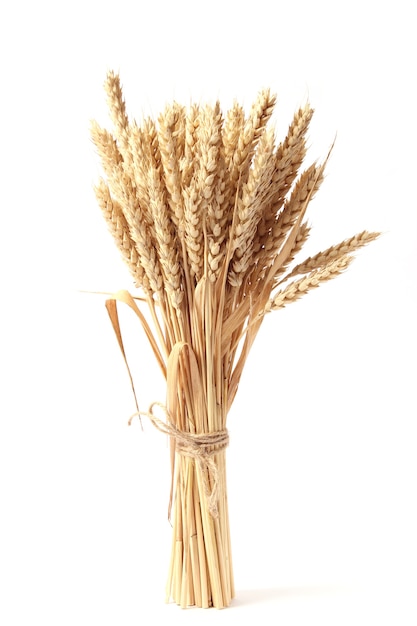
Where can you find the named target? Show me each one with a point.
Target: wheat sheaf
(208, 211)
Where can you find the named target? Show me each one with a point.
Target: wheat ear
(106, 147)
(334, 252)
(288, 159)
(117, 108)
(118, 227)
(171, 135)
(167, 250)
(249, 207)
(298, 288)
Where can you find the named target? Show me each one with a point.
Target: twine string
(201, 447)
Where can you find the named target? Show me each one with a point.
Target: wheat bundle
(208, 212)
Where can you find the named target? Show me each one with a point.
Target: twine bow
(202, 447)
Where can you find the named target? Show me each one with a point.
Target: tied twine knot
(200, 446)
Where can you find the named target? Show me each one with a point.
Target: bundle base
(200, 572)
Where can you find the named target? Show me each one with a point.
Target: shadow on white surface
(247, 597)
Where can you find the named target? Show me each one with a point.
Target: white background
(322, 462)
